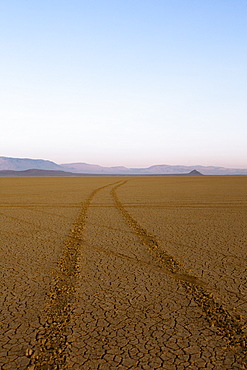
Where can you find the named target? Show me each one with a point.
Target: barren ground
(123, 273)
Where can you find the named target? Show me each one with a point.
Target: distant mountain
(162, 169)
(205, 170)
(23, 164)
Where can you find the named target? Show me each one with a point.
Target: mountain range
(26, 164)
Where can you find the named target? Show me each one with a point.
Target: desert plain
(123, 273)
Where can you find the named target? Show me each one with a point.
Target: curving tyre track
(118, 301)
(141, 310)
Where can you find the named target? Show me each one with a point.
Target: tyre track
(228, 325)
(51, 346)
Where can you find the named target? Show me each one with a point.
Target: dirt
(123, 273)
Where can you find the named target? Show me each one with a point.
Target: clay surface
(123, 273)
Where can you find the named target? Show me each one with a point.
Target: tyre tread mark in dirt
(227, 325)
(51, 346)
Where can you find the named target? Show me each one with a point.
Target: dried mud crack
(227, 325)
(143, 276)
(51, 347)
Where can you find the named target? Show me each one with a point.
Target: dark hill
(195, 173)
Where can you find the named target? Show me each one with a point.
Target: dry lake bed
(123, 273)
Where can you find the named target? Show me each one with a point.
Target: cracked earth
(123, 273)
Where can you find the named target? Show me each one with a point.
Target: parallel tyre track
(228, 325)
(52, 346)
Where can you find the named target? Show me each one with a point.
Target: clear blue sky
(124, 82)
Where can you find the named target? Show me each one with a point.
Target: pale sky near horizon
(124, 82)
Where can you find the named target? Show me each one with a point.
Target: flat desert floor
(123, 273)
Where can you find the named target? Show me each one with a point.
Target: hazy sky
(124, 82)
